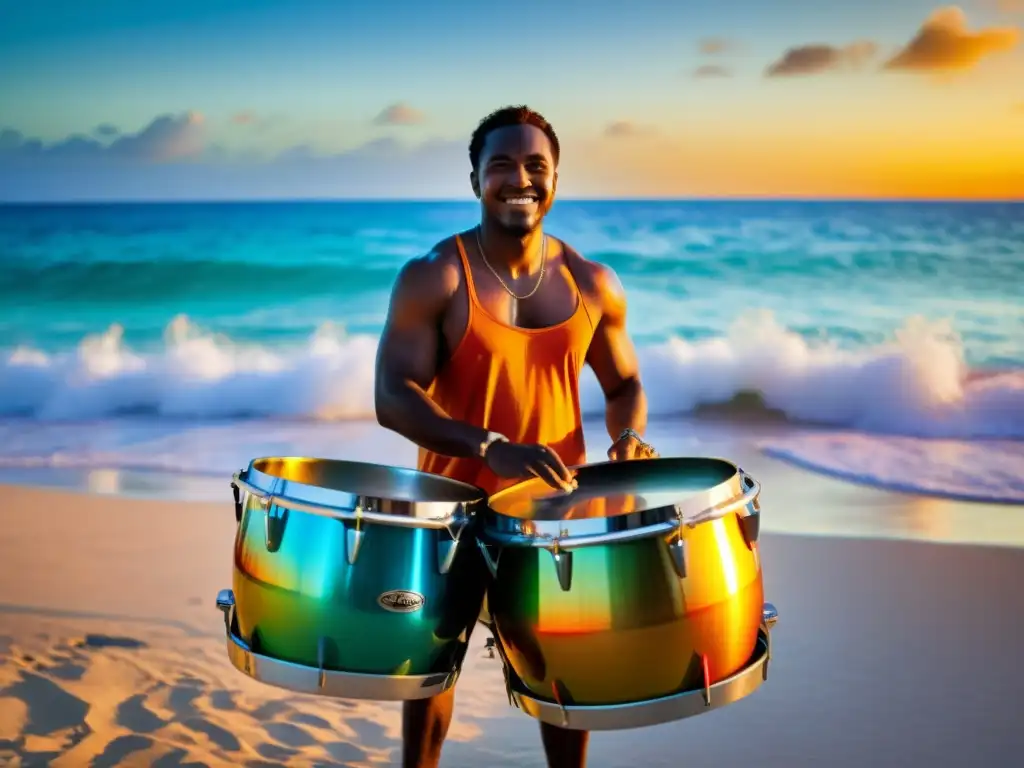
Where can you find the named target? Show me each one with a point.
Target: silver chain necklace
(540, 277)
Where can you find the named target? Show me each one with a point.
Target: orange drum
(643, 584)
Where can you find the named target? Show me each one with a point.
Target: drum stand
(640, 714)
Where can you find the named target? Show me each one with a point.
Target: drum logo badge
(400, 601)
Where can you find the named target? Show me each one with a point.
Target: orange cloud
(815, 59)
(713, 46)
(944, 44)
(712, 70)
(243, 118)
(399, 114)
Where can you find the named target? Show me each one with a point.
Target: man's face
(516, 179)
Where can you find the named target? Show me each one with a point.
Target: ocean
(884, 342)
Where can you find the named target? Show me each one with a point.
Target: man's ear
(474, 182)
(554, 183)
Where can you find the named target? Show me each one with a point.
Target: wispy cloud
(620, 129)
(943, 43)
(818, 58)
(106, 130)
(715, 46)
(399, 114)
(712, 70)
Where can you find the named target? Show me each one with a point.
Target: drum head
(365, 479)
(614, 489)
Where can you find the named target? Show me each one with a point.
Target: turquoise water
(273, 273)
(193, 337)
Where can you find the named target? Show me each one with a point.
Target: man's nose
(521, 177)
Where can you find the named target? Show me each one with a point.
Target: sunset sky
(314, 98)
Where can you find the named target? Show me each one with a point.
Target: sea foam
(917, 384)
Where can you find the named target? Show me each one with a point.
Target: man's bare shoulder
(597, 279)
(434, 276)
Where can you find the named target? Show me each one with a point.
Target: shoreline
(795, 500)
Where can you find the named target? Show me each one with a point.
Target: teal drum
(633, 600)
(352, 580)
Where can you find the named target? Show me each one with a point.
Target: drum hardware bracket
(354, 534)
(678, 552)
(769, 617)
(560, 692)
(707, 679)
(750, 516)
(236, 492)
(446, 548)
(275, 518)
(321, 654)
(563, 566)
(226, 605)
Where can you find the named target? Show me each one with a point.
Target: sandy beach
(888, 652)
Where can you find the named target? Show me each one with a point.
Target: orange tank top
(521, 382)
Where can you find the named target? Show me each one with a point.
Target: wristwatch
(489, 440)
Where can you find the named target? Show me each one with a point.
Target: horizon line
(462, 200)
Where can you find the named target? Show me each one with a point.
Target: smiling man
(480, 358)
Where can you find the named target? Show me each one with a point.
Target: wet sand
(887, 652)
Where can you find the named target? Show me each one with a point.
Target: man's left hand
(631, 446)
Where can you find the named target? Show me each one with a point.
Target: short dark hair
(506, 117)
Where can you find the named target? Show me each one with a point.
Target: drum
(352, 580)
(635, 599)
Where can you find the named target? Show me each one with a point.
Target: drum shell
(630, 628)
(297, 596)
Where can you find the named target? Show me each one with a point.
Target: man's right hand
(518, 460)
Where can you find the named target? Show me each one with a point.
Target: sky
(236, 99)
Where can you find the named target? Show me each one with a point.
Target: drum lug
(707, 679)
(769, 617)
(446, 549)
(226, 605)
(275, 521)
(751, 526)
(353, 541)
(563, 567)
(321, 657)
(238, 502)
(561, 695)
(680, 556)
(750, 517)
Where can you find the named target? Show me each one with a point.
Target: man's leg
(564, 748)
(424, 727)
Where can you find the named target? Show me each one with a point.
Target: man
(480, 358)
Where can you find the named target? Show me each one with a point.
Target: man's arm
(407, 363)
(613, 359)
